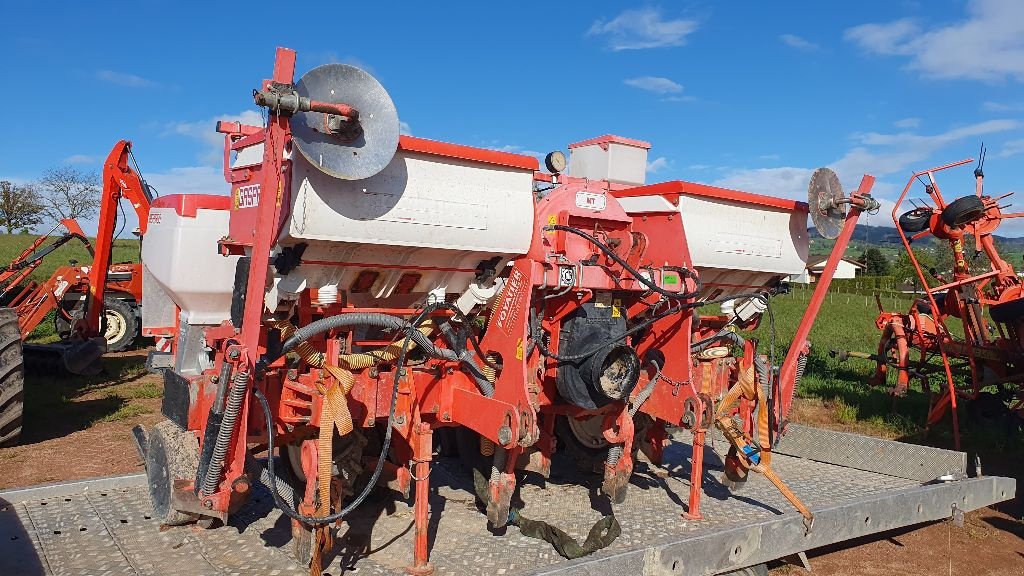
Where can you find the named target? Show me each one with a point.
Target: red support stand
(422, 455)
(696, 475)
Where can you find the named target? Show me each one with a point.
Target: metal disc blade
(823, 196)
(373, 149)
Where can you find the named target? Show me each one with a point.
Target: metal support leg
(422, 450)
(696, 475)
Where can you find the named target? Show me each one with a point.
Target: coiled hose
(239, 386)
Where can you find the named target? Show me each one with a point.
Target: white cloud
(514, 149)
(794, 41)
(205, 131)
(786, 182)
(81, 159)
(990, 106)
(986, 45)
(907, 123)
(655, 84)
(124, 79)
(189, 180)
(658, 164)
(873, 153)
(1011, 148)
(643, 28)
(904, 150)
(404, 128)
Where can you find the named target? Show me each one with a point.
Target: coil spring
(239, 387)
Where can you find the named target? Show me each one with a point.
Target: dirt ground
(84, 431)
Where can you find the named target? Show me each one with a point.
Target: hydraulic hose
(699, 286)
(387, 322)
(538, 340)
(239, 386)
(290, 510)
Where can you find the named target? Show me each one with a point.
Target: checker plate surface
(111, 532)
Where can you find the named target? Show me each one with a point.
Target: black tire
(119, 324)
(915, 220)
(963, 211)
(171, 454)
(12, 378)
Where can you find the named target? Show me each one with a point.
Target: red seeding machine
(362, 291)
(985, 366)
(369, 313)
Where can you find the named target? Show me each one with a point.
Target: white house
(847, 268)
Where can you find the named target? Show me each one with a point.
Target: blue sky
(746, 94)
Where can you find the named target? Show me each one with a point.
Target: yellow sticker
(616, 308)
(519, 349)
(552, 220)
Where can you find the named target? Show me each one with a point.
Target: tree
(20, 207)
(875, 263)
(68, 192)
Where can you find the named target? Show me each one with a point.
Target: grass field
(11, 245)
(847, 321)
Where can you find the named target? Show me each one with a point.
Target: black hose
(633, 271)
(385, 446)
(538, 338)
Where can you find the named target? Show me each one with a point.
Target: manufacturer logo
(591, 201)
(508, 312)
(247, 196)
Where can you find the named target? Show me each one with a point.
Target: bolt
(446, 416)
(233, 354)
(214, 379)
(208, 504)
(373, 372)
(240, 485)
(504, 435)
(400, 419)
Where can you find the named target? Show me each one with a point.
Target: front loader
(89, 321)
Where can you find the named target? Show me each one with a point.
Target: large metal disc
(373, 149)
(823, 199)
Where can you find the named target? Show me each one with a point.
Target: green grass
(847, 321)
(125, 412)
(11, 245)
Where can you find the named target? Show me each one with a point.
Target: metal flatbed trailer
(854, 485)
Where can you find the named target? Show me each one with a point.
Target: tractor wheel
(963, 211)
(118, 324)
(172, 454)
(12, 377)
(915, 220)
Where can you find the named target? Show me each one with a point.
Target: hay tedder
(985, 365)
(95, 306)
(370, 313)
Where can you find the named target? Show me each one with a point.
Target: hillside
(888, 241)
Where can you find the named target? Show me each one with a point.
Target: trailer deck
(854, 485)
